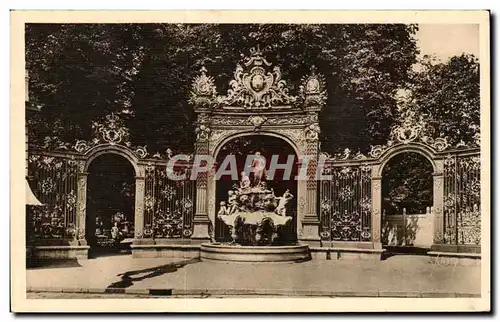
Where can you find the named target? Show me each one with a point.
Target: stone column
(211, 206)
(139, 207)
(81, 213)
(308, 196)
(376, 208)
(438, 202)
(201, 222)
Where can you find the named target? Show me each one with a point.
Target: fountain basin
(237, 253)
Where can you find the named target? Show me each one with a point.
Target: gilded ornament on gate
(202, 90)
(257, 82)
(312, 91)
(256, 86)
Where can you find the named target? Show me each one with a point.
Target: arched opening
(109, 226)
(407, 199)
(268, 146)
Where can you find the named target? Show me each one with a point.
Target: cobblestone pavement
(401, 275)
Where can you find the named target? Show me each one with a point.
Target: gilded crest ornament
(111, 130)
(256, 86)
(411, 128)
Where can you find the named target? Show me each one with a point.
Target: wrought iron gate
(345, 204)
(53, 180)
(462, 200)
(168, 204)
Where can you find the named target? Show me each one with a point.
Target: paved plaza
(401, 275)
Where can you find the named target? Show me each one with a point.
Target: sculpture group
(253, 212)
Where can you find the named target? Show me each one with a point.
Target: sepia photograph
(317, 157)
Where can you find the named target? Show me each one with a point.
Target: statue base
(237, 253)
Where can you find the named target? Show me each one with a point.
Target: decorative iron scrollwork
(111, 130)
(462, 200)
(346, 204)
(47, 223)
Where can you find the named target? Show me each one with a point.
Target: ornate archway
(110, 202)
(258, 102)
(110, 137)
(238, 148)
(407, 200)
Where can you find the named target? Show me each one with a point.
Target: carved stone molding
(202, 133)
(270, 120)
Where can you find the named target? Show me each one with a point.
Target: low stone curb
(252, 292)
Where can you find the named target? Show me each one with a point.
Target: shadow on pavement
(128, 279)
(38, 263)
(402, 250)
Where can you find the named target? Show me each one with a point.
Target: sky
(447, 40)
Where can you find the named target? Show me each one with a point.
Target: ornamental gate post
(376, 207)
(308, 188)
(139, 206)
(81, 206)
(438, 197)
(201, 221)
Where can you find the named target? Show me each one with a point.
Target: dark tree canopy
(407, 183)
(447, 95)
(79, 73)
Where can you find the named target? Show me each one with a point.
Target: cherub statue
(282, 202)
(223, 211)
(232, 201)
(245, 181)
(270, 200)
(263, 186)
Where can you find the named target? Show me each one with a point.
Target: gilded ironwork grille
(346, 203)
(168, 204)
(462, 200)
(53, 180)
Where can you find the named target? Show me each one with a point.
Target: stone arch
(123, 151)
(413, 147)
(282, 140)
(130, 156)
(419, 148)
(233, 136)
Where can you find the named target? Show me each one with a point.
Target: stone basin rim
(215, 245)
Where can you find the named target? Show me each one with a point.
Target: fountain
(256, 218)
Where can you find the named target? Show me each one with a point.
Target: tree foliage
(81, 72)
(407, 183)
(447, 95)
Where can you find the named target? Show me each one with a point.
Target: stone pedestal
(201, 225)
(310, 231)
